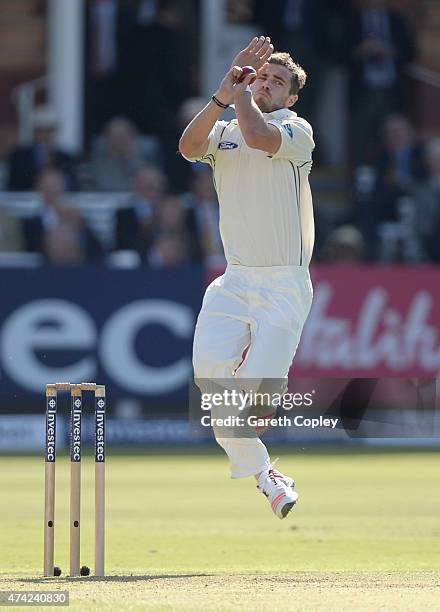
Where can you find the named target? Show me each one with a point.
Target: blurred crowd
(160, 225)
(137, 106)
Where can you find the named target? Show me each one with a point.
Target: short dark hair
(298, 74)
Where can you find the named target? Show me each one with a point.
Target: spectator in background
(239, 11)
(134, 225)
(163, 58)
(380, 45)
(173, 219)
(169, 250)
(109, 63)
(289, 24)
(427, 203)
(118, 155)
(180, 170)
(345, 245)
(296, 26)
(163, 62)
(400, 159)
(58, 232)
(202, 200)
(25, 163)
(400, 163)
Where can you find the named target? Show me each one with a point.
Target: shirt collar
(281, 114)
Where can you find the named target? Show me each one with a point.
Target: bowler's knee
(209, 365)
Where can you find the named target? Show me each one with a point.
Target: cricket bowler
(252, 316)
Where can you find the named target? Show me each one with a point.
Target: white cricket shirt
(266, 210)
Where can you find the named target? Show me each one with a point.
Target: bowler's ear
(291, 100)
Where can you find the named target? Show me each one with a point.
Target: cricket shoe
(279, 490)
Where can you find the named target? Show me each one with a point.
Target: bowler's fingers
(264, 56)
(229, 78)
(247, 79)
(264, 48)
(236, 72)
(259, 44)
(252, 44)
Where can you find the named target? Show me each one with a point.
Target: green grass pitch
(181, 535)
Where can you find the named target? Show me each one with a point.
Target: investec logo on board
(100, 432)
(51, 416)
(75, 454)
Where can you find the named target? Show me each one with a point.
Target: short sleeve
(214, 140)
(296, 140)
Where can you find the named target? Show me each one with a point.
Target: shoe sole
(287, 508)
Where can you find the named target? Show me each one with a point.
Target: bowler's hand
(225, 93)
(255, 54)
(240, 87)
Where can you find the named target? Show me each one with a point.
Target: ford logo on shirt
(226, 145)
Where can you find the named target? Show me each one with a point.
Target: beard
(266, 104)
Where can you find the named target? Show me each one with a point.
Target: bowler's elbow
(190, 149)
(183, 146)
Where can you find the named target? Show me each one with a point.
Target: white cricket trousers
(260, 310)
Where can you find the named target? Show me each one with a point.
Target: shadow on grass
(116, 578)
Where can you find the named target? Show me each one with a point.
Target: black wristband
(217, 101)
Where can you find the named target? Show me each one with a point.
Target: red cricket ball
(247, 70)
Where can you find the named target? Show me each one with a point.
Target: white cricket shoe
(279, 491)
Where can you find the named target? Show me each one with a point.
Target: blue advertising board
(131, 330)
